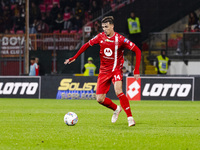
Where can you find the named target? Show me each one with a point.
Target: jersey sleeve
(94, 40)
(128, 44)
(131, 46)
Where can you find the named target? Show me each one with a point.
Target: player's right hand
(68, 62)
(136, 76)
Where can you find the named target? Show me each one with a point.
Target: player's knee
(100, 98)
(118, 91)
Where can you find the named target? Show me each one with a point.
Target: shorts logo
(108, 52)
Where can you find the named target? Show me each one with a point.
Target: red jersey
(111, 50)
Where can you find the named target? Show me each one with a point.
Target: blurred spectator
(18, 22)
(106, 6)
(54, 11)
(1, 24)
(33, 71)
(67, 9)
(7, 31)
(42, 27)
(59, 22)
(40, 66)
(189, 39)
(22, 11)
(96, 28)
(1, 8)
(32, 28)
(199, 20)
(71, 3)
(162, 63)
(68, 23)
(7, 18)
(134, 29)
(126, 73)
(16, 9)
(193, 19)
(94, 9)
(77, 23)
(47, 18)
(79, 11)
(89, 68)
(118, 2)
(63, 4)
(34, 13)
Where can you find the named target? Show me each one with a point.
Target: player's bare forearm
(136, 76)
(82, 49)
(68, 61)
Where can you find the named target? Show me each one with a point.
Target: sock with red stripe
(109, 104)
(125, 104)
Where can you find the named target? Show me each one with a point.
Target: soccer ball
(70, 119)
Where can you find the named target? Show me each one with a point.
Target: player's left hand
(136, 76)
(67, 61)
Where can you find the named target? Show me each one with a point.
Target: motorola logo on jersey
(108, 52)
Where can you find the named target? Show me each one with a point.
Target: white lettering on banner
(156, 89)
(179, 90)
(136, 88)
(21, 87)
(174, 89)
(184, 90)
(13, 41)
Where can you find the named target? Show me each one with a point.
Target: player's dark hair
(109, 19)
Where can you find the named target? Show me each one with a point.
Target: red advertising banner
(133, 89)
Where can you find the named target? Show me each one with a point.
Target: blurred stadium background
(58, 28)
(30, 119)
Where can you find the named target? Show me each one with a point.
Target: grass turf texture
(38, 124)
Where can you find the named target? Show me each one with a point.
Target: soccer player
(112, 47)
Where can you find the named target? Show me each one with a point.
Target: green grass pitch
(37, 124)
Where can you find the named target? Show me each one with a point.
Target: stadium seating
(48, 2)
(20, 32)
(73, 31)
(12, 32)
(42, 8)
(64, 31)
(56, 31)
(80, 31)
(49, 7)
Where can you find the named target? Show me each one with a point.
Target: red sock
(125, 104)
(109, 104)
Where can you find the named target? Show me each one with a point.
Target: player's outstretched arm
(82, 49)
(68, 61)
(136, 71)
